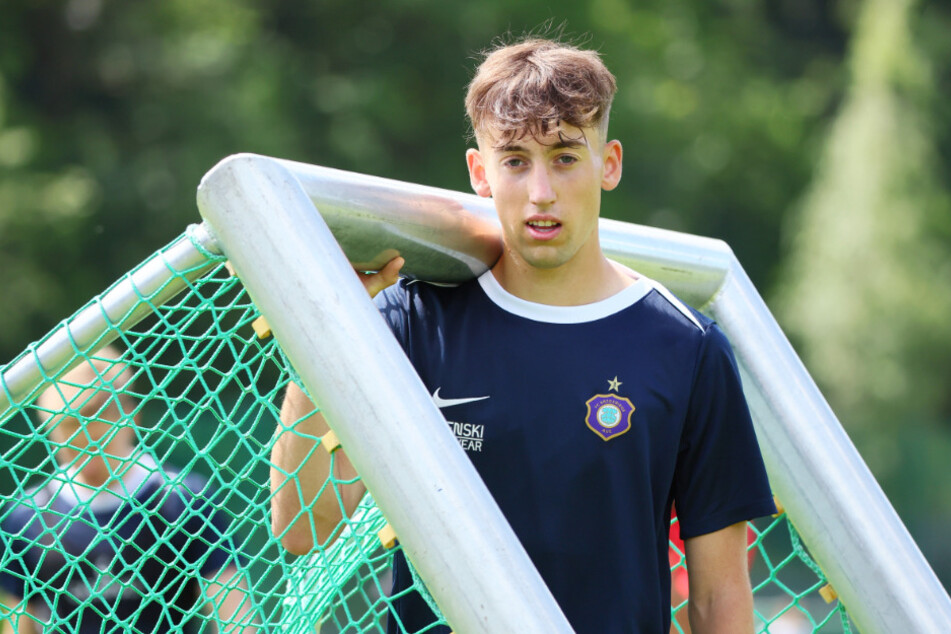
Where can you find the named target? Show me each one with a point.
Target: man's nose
(541, 192)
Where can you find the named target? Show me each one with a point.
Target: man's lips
(543, 229)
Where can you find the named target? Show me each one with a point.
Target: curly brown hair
(527, 88)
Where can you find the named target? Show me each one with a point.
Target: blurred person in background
(113, 541)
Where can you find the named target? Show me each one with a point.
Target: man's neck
(567, 285)
(120, 466)
(130, 474)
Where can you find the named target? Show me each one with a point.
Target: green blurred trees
(110, 113)
(866, 289)
(868, 284)
(745, 120)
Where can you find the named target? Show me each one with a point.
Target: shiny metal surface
(448, 236)
(831, 496)
(160, 278)
(444, 236)
(833, 500)
(298, 276)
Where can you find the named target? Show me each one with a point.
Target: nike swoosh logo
(449, 402)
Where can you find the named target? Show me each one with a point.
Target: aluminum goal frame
(295, 263)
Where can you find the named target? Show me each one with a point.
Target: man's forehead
(560, 136)
(72, 389)
(85, 385)
(74, 396)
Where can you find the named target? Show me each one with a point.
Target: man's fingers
(376, 282)
(391, 271)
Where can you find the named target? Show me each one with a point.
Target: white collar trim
(564, 314)
(143, 467)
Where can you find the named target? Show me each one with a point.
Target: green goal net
(176, 537)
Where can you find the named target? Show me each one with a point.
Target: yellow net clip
(230, 268)
(261, 328)
(330, 442)
(828, 593)
(780, 509)
(387, 536)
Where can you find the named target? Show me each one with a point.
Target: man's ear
(611, 174)
(477, 176)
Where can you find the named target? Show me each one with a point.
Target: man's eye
(514, 162)
(566, 159)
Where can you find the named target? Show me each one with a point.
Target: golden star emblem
(614, 384)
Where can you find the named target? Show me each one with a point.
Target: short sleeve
(393, 303)
(720, 478)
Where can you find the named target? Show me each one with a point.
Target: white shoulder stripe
(414, 280)
(670, 297)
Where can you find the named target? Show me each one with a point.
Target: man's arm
(12, 622)
(721, 600)
(299, 471)
(229, 600)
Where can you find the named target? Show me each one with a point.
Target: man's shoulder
(15, 514)
(414, 294)
(170, 488)
(424, 287)
(20, 514)
(187, 486)
(672, 310)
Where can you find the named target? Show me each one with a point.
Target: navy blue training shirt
(127, 566)
(587, 423)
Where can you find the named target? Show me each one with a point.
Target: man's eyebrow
(569, 143)
(559, 145)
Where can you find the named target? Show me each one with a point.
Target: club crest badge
(609, 415)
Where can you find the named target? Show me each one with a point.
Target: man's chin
(543, 256)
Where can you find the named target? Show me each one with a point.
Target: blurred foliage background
(814, 136)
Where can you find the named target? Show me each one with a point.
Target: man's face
(96, 447)
(547, 192)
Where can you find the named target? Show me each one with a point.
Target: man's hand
(387, 276)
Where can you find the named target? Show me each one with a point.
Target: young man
(112, 541)
(599, 399)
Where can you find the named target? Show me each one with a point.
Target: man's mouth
(543, 229)
(543, 225)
